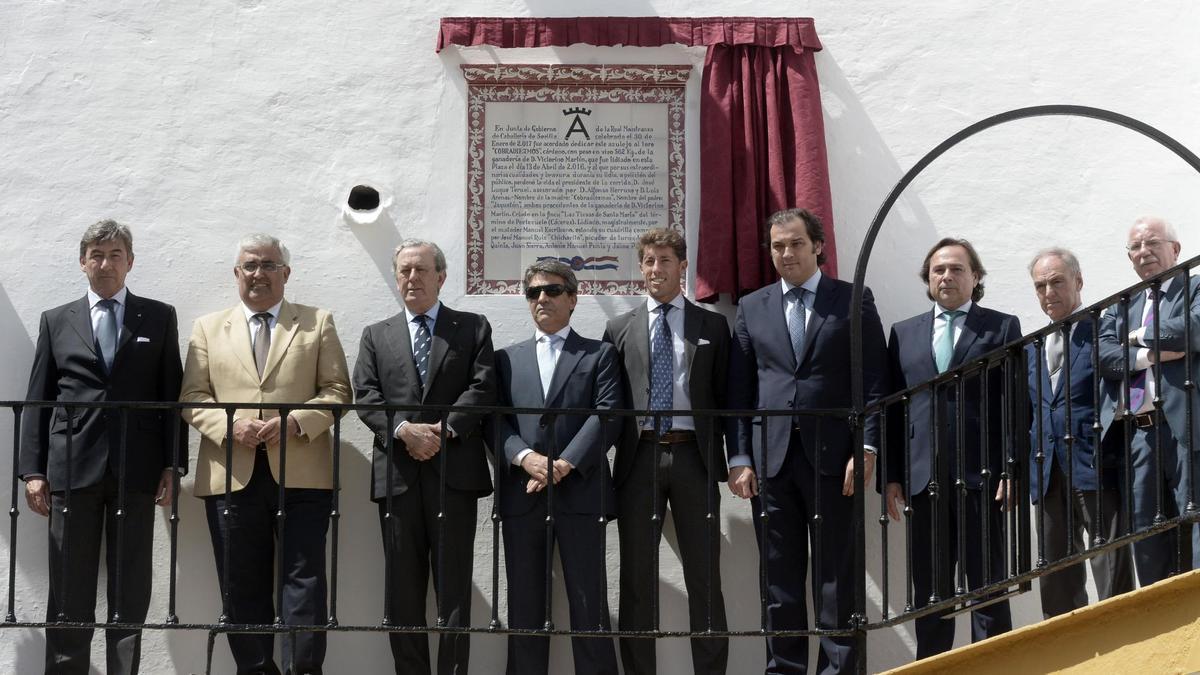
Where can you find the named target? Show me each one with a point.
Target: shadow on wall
(379, 239)
(25, 650)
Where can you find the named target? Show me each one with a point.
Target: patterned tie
(421, 349)
(1137, 386)
(106, 336)
(262, 341)
(547, 360)
(945, 346)
(662, 369)
(796, 326)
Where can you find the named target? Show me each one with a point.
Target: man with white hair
(267, 350)
(1163, 456)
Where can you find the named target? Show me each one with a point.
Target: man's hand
(37, 495)
(1164, 356)
(165, 494)
(893, 495)
(422, 441)
(535, 464)
(868, 473)
(269, 431)
(561, 468)
(742, 482)
(1006, 494)
(245, 431)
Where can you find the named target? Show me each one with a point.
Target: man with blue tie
(553, 485)
(1068, 478)
(791, 350)
(1157, 359)
(957, 331)
(109, 466)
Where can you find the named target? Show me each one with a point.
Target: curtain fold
(762, 136)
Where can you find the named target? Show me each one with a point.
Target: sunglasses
(552, 290)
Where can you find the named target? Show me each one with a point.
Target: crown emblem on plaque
(577, 126)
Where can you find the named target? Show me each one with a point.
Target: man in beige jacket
(267, 350)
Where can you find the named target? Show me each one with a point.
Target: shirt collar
(430, 314)
(938, 309)
(94, 297)
(273, 311)
(676, 302)
(810, 285)
(538, 334)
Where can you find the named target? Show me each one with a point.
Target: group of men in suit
(100, 470)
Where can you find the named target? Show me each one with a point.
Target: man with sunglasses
(267, 350)
(431, 355)
(552, 478)
(675, 356)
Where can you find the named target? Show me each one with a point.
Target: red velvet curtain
(762, 139)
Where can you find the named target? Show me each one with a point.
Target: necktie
(106, 336)
(797, 316)
(662, 368)
(548, 347)
(421, 349)
(1137, 386)
(262, 341)
(944, 352)
(1054, 357)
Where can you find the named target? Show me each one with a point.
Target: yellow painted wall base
(1152, 630)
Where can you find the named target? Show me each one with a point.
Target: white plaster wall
(198, 122)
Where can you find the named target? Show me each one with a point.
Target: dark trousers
(1066, 590)
(683, 480)
(418, 543)
(527, 553)
(93, 514)
(791, 499)
(936, 569)
(248, 534)
(1165, 487)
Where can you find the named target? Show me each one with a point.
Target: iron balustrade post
(1098, 538)
(281, 521)
(1189, 391)
(1040, 458)
(13, 513)
(1157, 412)
(1126, 412)
(815, 528)
(960, 481)
(174, 420)
(1017, 377)
(114, 613)
(66, 515)
(550, 420)
(1069, 435)
(906, 402)
(763, 520)
(985, 467)
(335, 516)
(441, 523)
(936, 394)
(655, 520)
(498, 453)
(709, 521)
(880, 469)
(225, 553)
(389, 536)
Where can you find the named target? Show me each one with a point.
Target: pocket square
(702, 341)
(143, 339)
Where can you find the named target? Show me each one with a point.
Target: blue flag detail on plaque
(577, 263)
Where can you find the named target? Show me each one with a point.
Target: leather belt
(673, 437)
(1144, 420)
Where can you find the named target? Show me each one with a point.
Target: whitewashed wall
(198, 122)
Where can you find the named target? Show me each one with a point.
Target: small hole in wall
(363, 198)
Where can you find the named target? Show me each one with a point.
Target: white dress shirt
(97, 314)
(547, 356)
(939, 324)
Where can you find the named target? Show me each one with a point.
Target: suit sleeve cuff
(396, 431)
(870, 450)
(1141, 359)
(520, 456)
(740, 460)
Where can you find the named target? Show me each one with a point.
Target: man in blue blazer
(1153, 248)
(791, 350)
(553, 483)
(1069, 477)
(956, 331)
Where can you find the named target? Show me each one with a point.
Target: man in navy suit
(791, 350)
(552, 478)
(109, 345)
(956, 331)
(1153, 248)
(1067, 478)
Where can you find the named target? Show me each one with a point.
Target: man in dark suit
(1153, 248)
(431, 355)
(552, 477)
(675, 356)
(955, 332)
(99, 472)
(1067, 478)
(791, 349)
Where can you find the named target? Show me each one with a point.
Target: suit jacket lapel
(400, 341)
(774, 309)
(970, 333)
(443, 331)
(637, 339)
(692, 323)
(822, 306)
(238, 330)
(570, 356)
(286, 326)
(81, 321)
(134, 308)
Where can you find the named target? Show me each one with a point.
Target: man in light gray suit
(552, 479)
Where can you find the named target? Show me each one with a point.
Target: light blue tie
(662, 369)
(945, 346)
(106, 336)
(798, 316)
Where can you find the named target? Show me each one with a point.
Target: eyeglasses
(266, 266)
(552, 290)
(1149, 243)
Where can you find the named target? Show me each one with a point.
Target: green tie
(944, 350)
